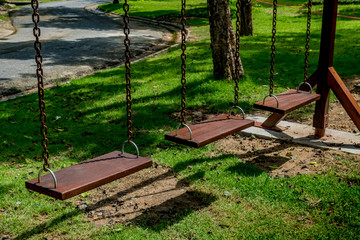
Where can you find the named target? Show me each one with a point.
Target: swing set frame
(325, 78)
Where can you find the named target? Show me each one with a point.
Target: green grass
(4, 17)
(158, 8)
(86, 118)
(40, 1)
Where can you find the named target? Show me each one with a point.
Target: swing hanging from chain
(220, 126)
(293, 98)
(93, 173)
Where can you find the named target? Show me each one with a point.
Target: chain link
(273, 48)
(40, 78)
(237, 54)
(307, 45)
(183, 60)
(127, 70)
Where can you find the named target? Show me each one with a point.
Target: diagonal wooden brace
(344, 96)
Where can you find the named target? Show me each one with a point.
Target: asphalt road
(75, 42)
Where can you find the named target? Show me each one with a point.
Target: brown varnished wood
(272, 120)
(288, 101)
(328, 78)
(325, 78)
(343, 94)
(312, 80)
(209, 130)
(274, 128)
(326, 57)
(320, 119)
(90, 174)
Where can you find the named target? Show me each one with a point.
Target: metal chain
(127, 70)
(183, 60)
(273, 49)
(307, 45)
(237, 54)
(40, 78)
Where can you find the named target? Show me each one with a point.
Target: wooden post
(325, 61)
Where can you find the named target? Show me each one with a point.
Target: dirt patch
(282, 159)
(148, 197)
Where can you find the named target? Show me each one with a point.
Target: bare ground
(151, 196)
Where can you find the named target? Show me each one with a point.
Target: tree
(246, 18)
(222, 40)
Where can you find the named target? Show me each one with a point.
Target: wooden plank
(343, 94)
(288, 101)
(90, 174)
(209, 130)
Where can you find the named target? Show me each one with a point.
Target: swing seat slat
(90, 174)
(210, 130)
(289, 101)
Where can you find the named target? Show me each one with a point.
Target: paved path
(75, 42)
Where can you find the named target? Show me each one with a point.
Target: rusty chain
(237, 54)
(127, 70)
(183, 61)
(273, 48)
(307, 45)
(40, 78)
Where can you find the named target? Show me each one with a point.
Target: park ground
(240, 187)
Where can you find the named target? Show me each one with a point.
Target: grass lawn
(4, 17)
(86, 118)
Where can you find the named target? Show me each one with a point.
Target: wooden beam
(343, 94)
(273, 120)
(325, 61)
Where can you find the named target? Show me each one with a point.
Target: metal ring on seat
(127, 141)
(242, 111)
(52, 174)
(298, 88)
(185, 125)
(271, 95)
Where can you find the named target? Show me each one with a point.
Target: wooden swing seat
(87, 175)
(289, 101)
(210, 130)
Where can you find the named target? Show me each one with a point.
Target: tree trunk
(246, 18)
(222, 40)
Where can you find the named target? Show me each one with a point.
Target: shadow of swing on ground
(152, 198)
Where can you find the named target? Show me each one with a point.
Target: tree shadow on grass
(258, 156)
(5, 189)
(245, 169)
(44, 227)
(173, 210)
